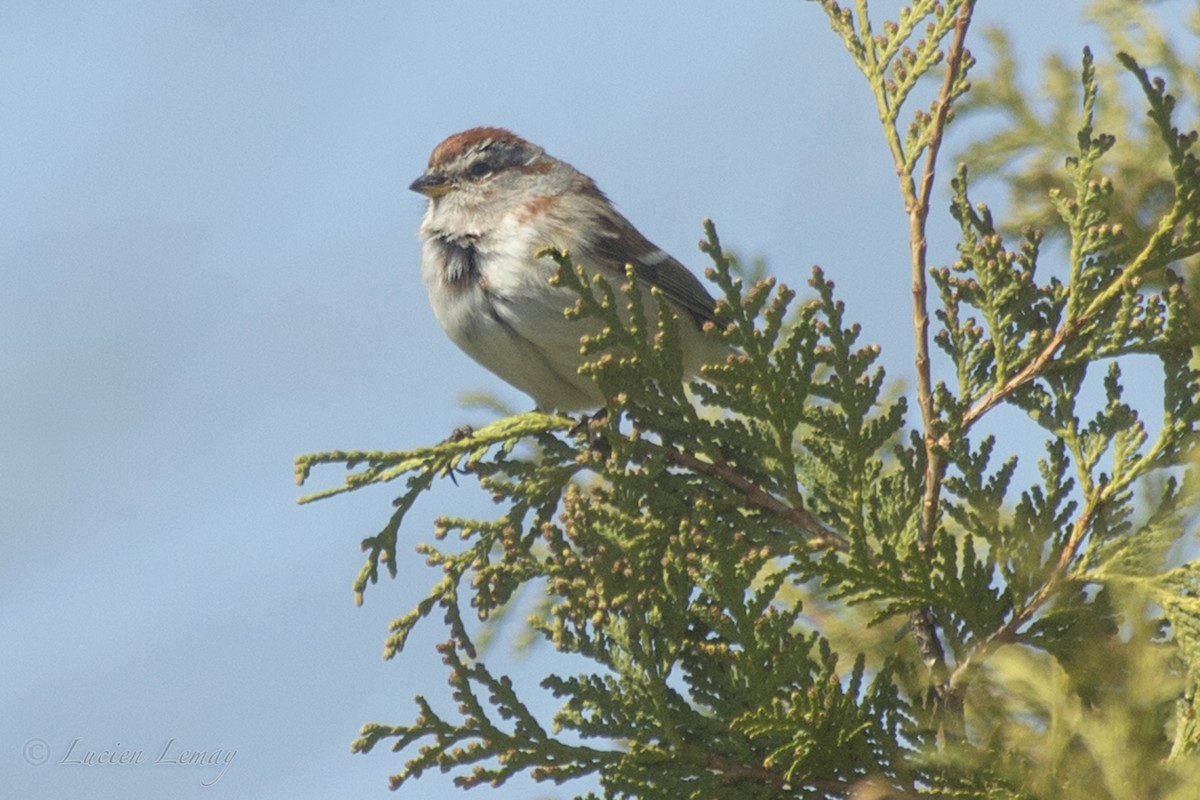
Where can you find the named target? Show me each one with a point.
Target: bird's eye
(480, 168)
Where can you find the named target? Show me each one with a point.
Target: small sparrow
(495, 200)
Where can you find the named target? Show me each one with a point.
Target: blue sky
(209, 265)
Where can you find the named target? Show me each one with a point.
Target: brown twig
(1007, 632)
(918, 214)
(823, 537)
(734, 772)
(1026, 374)
(917, 203)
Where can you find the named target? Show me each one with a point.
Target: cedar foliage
(789, 584)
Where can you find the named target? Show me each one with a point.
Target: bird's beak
(431, 184)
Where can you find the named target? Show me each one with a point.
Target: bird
(494, 202)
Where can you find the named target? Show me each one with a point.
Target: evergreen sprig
(778, 584)
(1033, 130)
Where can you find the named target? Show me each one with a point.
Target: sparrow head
(485, 167)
